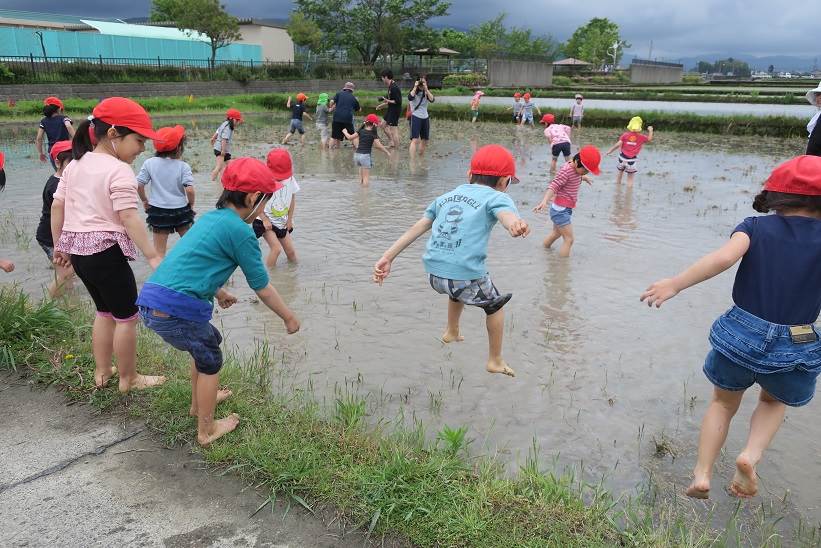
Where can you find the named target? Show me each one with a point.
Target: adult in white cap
(814, 127)
(344, 105)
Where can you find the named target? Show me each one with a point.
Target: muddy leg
(495, 331)
(765, 422)
(451, 333)
(566, 232)
(209, 429)
(552, 237)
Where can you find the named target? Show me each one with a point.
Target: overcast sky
(678, 28)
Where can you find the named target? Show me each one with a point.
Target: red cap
(234, 114)
(279, 162)
(2, 160)
(548, 119)
(526, 96)
(249, 175)
(517, 95)
(801, 175)
(58, 147)
(53, 101)
(119, 111)
(590, 158)
(168, 138)
(493, 160)
(301, 96)
(372, 119)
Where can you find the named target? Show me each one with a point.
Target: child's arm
(288, 103)
(649, 133)
(58, 214)
(378, 144)
(223, 147)
(69, 128)
(273, 301)
(614, 147)
(513, 223)
(349, 136)
(382, 268)
(548, 197)
(309, 116)
(289, 224)
(135, 228)
(190, 193)
(705, 268)
(214, 138)
(143, 197)
(38, 142)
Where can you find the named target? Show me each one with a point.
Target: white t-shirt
(224, 132)
(277, 207)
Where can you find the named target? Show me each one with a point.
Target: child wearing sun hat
(768, 336)
(630, 142)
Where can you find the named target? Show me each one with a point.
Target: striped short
(480, 292)
(627, 164)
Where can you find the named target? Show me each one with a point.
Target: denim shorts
(561, 218)
(749, 350)
(363, 160)
(200, 339)
(296, 125)
(480, 292)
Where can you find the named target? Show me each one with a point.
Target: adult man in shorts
(344, 105)
(393, 101)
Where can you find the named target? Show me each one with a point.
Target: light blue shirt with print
(167, 179)
(462, 221)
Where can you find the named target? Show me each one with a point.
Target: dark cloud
(677, 28)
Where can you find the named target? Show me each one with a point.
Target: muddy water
(600, 376)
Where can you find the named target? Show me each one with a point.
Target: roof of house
(571, 61)
(436, 51)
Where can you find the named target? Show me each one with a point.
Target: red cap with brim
(548, 119)
(249, 175)
(590, 158)
(372, 119)
(801, 175)
(2, 161)
(234, 114)
(494, 160)
(168, 138)
(123, 112)
(58, 147)
(53, 101)
(280, 164)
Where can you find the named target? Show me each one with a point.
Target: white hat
(812, 93)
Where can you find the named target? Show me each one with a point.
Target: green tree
(489, 37)
(593, 42)
(520, 42)
(305, 32)
(207, 17)
(457, 41)
(371, 27)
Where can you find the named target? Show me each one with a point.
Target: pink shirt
(558, 133)
(566, 186)
(631, 143)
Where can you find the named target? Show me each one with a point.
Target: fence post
(31, 57)
(101, 60)
(158, 62)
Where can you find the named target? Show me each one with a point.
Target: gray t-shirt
(322, 114)
(168, 178)
(419, 105)
(224, 132)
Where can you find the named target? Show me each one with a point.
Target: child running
(559, 138)
(767, 337)
(276, 223)
(474, 106)
(171, 188)
(221, 141)
(455, 255)
(577, 111)
(5, 265)
(516, 107)
(563, 192)
(366, 138)
(630, 142)
(177, 300)
(321, 120)
(297, 112)
(63, 275)
(527, 111)
(95, 225)
(54, 126)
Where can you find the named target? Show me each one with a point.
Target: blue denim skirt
(748, 350)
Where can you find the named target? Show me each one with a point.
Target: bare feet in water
(745, 480)
(699, 488)
(222, 395)
(449, 336)
(220, 428)
(498, 365)
(141, 382)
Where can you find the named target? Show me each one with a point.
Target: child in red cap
(170, 202)
(61, 155)
(563, 192)
(527, 111)
(455, 255)
(221, 140)
(297, 112)
(276, 223)
(767, 337)
(177, 300)
(95, 226)
(516, 107)
(366, 138)
(559, 136)
(54, 126)
(5, 265)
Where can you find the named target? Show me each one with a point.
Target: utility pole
(650, 54)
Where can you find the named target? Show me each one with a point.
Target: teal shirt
(202, 261)
(462, 221)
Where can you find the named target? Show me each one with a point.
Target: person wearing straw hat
(814, 127)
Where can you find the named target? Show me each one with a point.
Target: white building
(273, 36)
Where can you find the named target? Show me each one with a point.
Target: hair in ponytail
(82, 141)
(48, 110)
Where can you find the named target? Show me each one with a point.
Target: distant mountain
(787, 63)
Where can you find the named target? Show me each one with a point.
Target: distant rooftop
(48, 17)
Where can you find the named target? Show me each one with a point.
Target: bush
(468, 79)
(692, 79)
(562, 81)
(284, 71)
(6, 75)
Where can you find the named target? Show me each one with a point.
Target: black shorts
(218, 153)
(110, 282)
(420, 128)
(392, 117)
(259, 230)
(167, 221)
(336, 130)
(561, 148)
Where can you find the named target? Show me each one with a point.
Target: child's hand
(381, 270)
(659, 292)
(289, 226)
(649, 128)
(61, 259)
(145, 205)
(519, 228)
(587, 180)
(154, 262)
(292, 325)
(540, 207)
(225, 299)
(42, 157)
(7, 266)
(266, 223)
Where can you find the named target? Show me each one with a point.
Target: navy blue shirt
(346, 105)
(55, 128)
(779, 279)
(297, 110)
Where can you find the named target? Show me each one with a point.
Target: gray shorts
(324, 132)
(577, 120)
(480, 292)
(363, 160)
(296, 125)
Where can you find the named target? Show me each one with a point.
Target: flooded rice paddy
(602, 381)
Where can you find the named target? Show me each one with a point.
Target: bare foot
(221, 427)
(498, 365)
(448, 336)
(100, 380)
(547, 243)
(222, 395)
(699, 488)
(745, 480)
(141, 382)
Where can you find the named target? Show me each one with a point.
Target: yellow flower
(69, 356)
